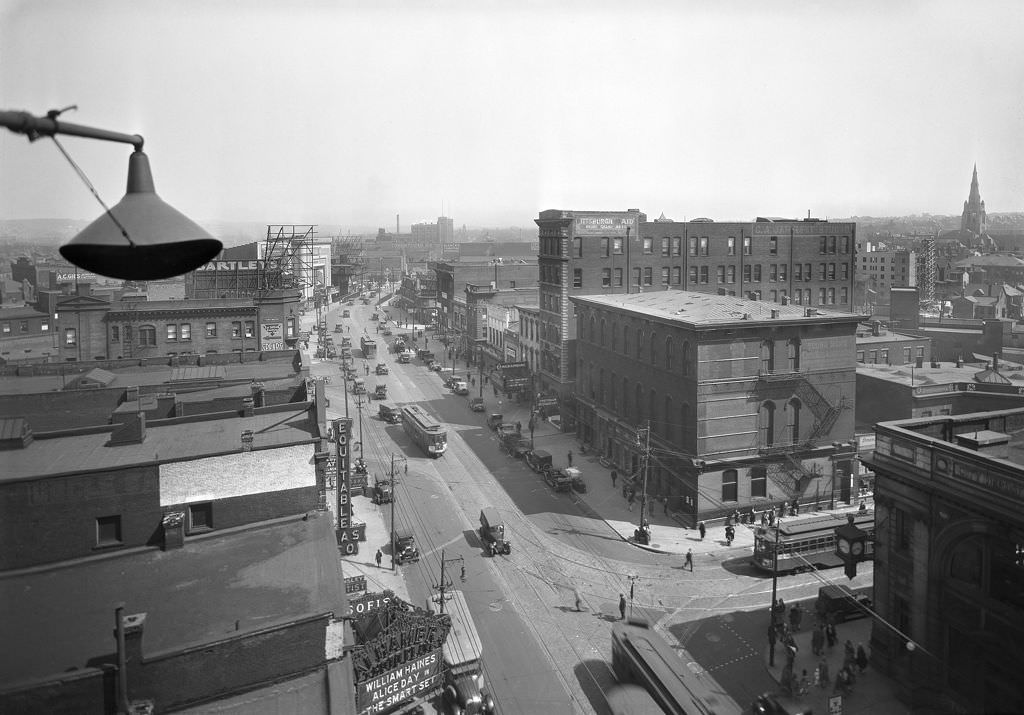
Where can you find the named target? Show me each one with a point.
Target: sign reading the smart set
(386, 692)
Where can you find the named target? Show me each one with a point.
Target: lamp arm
(35, 127)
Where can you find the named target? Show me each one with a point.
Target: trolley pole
(444, 584)
(646, 432)
(394, 494)
(775, 585)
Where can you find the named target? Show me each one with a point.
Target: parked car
(381, 491)
(495, 419)
(843, 603)
(476, 404)
(380, 392)
(381, 369)
(492, 532)
(461, 387)
(405, 547)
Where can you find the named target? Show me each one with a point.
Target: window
(200, 516)
(758, 482)
(885, 356)
(693, 274)
(625, 340)
(665, 275)
(831, 296)
(211, 330)
(773, 296)
(185, 331)
(648, 246)
(746, 273)
(70, 336)
(823, 245)
(767, 356)
(703, 245)
(732, 274)
(901, 530)
(648, 276)
(677, 275)
(920, 351)
(577, 278)
(687, 357)
(807, 272)
(746, 246)
(147, 335)
(6, 328)
(668, 358)
(832, 245)
(172, 331)
(665, 246)
(793, 354)
(677, 246)
(618, 277)
(23, 326)
(720, 274)
(604, 247)
(115, 333)
(798, 272)
(846, 244)
(793, 425)
(773, 272)
(290, 328)
(703, 274)
(691, 243)
(906, 356)
(873, 357)
(782, 272)
(757, 273)
(108, 530)
(822, 271)
(729, 485)
(766, 424)
(730, 245)
(773, 246)
(577, 247)
(250, 328)
(637, 272)
(860, 356)
(831, 271)
(821, 296)
(44, 325)
(844, 272)
(606, 277)
(236, 329)
(617, 246)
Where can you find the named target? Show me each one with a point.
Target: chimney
(995, 362)
(810, 312)
(173, 523)
(133, 628)
(247, 438)
(133, 431)
(259, 395)
(248, 403)
(775, 313)
(876, 328)
(959, 360)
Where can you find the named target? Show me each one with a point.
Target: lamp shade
(164, 242)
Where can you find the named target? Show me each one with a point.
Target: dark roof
(178, 441)
(205, 372)
(23, 311)
(62, 617)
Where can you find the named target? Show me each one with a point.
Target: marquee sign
(384, 693)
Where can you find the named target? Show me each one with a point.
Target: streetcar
(642, 657)
(431, 437)
(807, 541)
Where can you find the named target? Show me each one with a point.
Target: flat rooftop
(62, 618)
(189, 438)
(944, 374)
(704, 309)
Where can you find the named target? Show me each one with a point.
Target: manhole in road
(494, 605)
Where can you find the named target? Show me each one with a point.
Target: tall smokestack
(398, 226)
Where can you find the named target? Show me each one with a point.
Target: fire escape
(825, 416)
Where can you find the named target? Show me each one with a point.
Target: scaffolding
(288, 260)
(926, 270)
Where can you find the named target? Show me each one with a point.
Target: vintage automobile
(842, 603)
(349, 303)
(476, 404)
(538, 460)
(492, 532)
(345, 313)
(346, 342)
(359, 386)
(338, 328)
(404, 358)
(381, 369)
(382, 491)
(389, 413)
(517, 447)
(374, 316)
(578, 485)
(495, 419)
(461, 387)
(405, 547)
(360, 466)
(380, 392)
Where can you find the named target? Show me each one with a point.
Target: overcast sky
(348, 113)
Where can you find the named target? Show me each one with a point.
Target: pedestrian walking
(702, 529)
(823, 675)
(629, 499)
(664, 501)
(570, 457)
(615, 475)
(764, 518)
(622, 606)
(830, 635)
(818, 640)
(730, 534)
(379, 556)
(796, 615)
(849, 655)
(463, 574)
(861, 658)
(689, 559)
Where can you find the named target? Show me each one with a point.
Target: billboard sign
(272, 336)
(603, 225)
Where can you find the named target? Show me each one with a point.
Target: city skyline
(340, 114)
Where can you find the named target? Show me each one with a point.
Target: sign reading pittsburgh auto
(603, 225)
(398, 655)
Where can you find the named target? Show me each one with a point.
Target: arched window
(147, 335)
(654, 348)
(592, 333)
(625, 340)
(639, 343)
(965, 564)
(793, 354)
(590, 380)
(668, 353)
(687, 357)
(615, 336)
(768, 356)
(766, 424)
(793, 421)
(603, 344)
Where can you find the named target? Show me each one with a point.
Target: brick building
(749, 403)
(949, 561)
(806, 263)
(91, 328)
(453, 277)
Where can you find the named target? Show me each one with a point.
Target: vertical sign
(342, 434)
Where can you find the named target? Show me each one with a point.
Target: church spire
(973, 218)
(975, 195)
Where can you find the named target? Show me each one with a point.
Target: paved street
(540, 654)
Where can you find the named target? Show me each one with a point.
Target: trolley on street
(431, 437)
(642, 657)
(808, 541)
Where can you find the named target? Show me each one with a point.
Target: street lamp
(140, 238)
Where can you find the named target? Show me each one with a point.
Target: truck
(369, 347)
(464, 690)
(492, 532)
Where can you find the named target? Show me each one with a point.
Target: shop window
(730, 491)
(200, 516)
(108, 530)
(290, 328)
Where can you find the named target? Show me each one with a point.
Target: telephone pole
(394, 497)
(644, 434)
(444, 584)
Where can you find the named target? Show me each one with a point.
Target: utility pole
(394, 496)
(633, 578)
(359, 407)
(645, 467)
(775, 584)
(444, 584)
